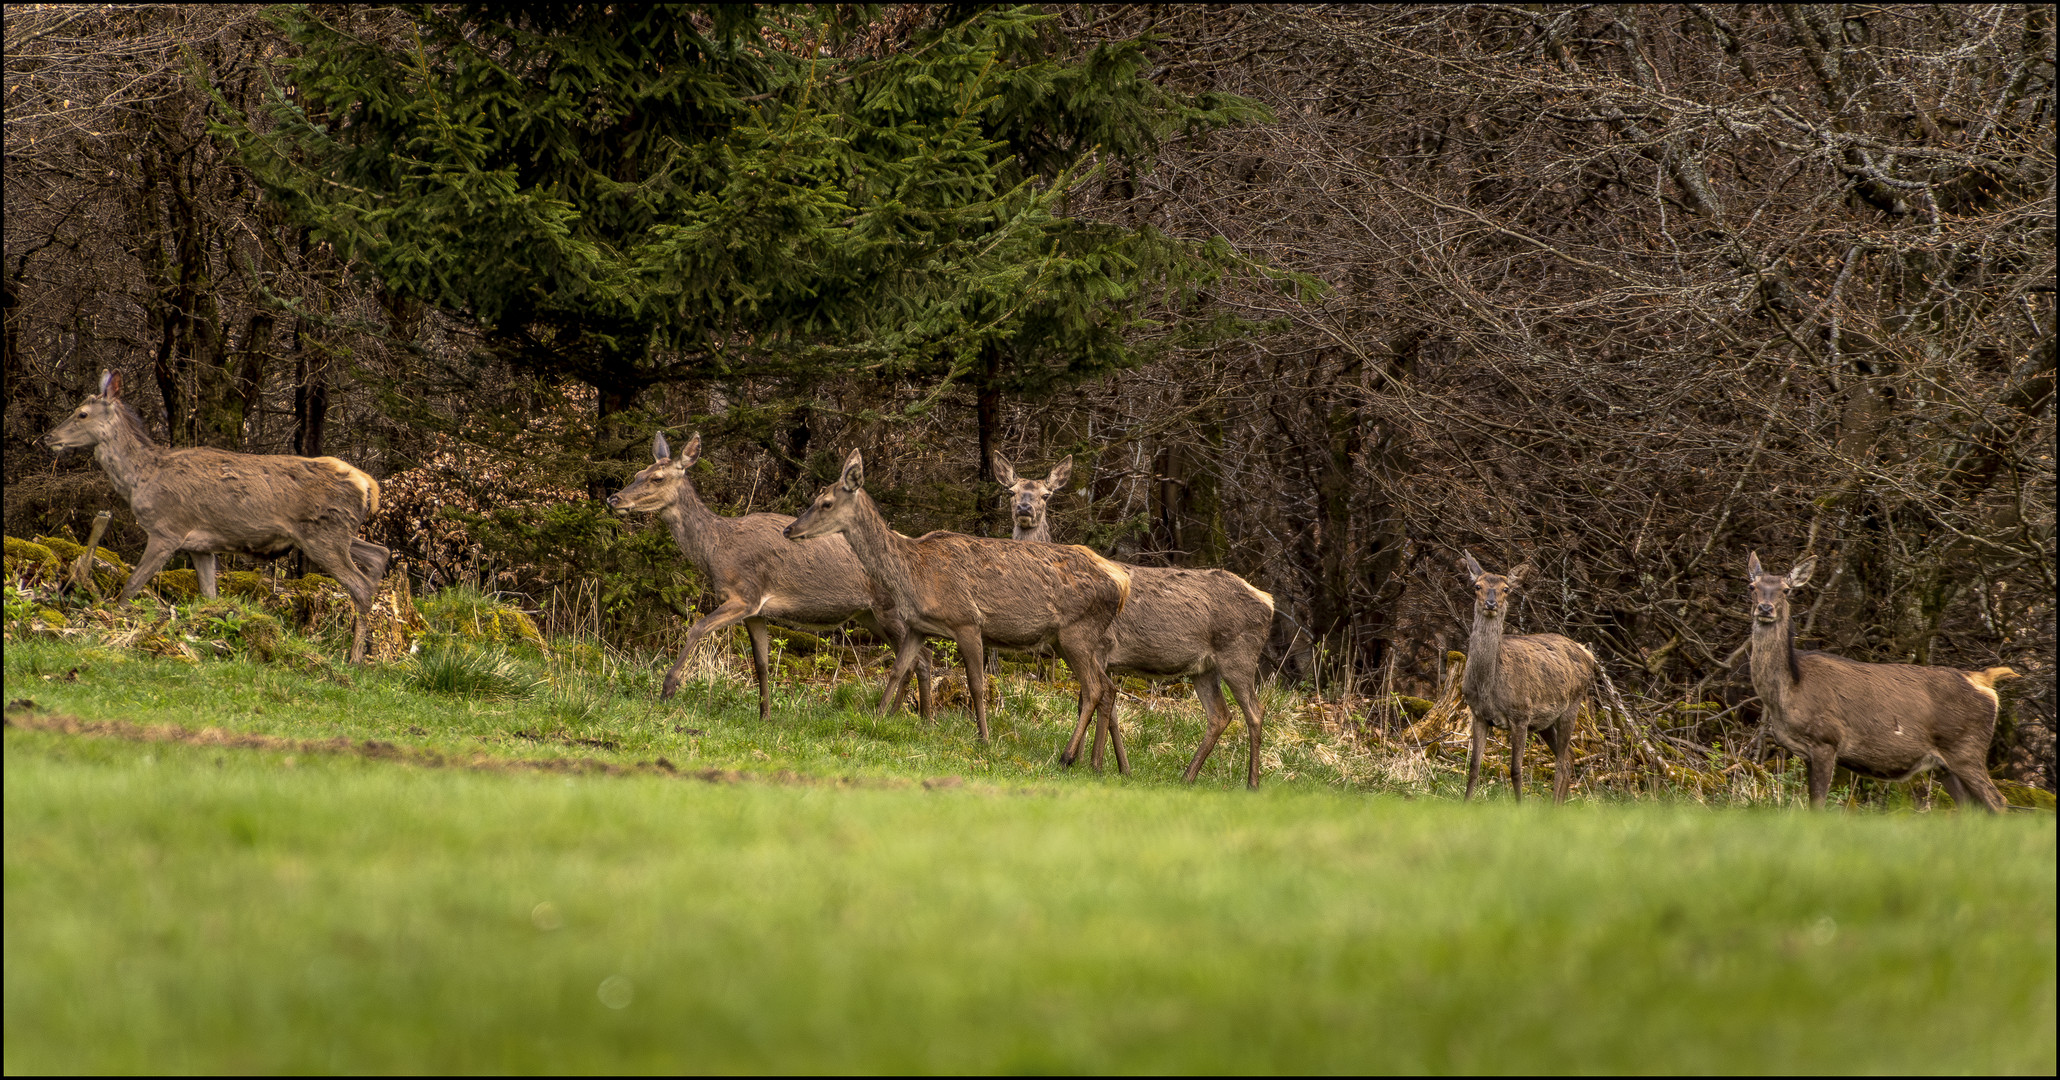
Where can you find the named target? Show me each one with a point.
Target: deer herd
(840, 562)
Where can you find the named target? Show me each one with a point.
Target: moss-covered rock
(32, 563)
(248, 584)
(2017, 794)
(469, 615)
(177, 585)
(51, 618)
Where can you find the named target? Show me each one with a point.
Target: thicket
(1323, 295)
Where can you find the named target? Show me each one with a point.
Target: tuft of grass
(466, 671)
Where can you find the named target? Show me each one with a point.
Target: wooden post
(82, 568)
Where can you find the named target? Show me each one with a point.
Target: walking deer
(1887, 721)
(975, 591)
(760, 577)
(1525, 683)
(205, 501)
(1207, 625)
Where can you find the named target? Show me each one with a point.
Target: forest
(1325, 295)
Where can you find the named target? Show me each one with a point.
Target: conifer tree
(636, 195)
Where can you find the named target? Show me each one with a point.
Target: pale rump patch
(1984, 682)
(368, 488)
(1115, 571)
(1261, 595)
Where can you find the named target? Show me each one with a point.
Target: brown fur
(1206, 625)
(758, 575)
(977, 591)
(206, 501)
(1526, 683)
(1886, 721)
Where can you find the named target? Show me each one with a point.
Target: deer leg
(1560, 739)
(908, 651)
(729, 613)
(333, 555)
(1819, 765)
(1101, 702)
(1519, 739)
(1243, 685)
(371, 558)
(204, 569)
(924, 677)
(1208, 687)
(971, 650)
(1971, 786)
(1473, 758)
(1108, 711)
(761, 663)
(156, 553)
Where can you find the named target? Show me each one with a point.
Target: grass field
(505, 879)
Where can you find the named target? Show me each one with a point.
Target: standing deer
(760, 577)
(1208, 625)
(1528, 682)
(1887, 721)
(204, 501)
(975, 590)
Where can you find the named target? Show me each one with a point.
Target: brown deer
(1029, 499)
(1207, 625)
(1525, 683)
(1886, 721)
(760, 577)
(205, 501)
(976, 590)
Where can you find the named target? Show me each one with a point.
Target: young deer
(760, 576)
(1887, 721)
(204, 501)
(977, 591)
(1528, 682)
(1207, 625)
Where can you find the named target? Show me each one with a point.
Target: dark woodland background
(1623, 291)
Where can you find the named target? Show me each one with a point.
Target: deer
(1885, 721)
(1206, 625)
(760, 577)
(205, 502)
(975, 590)
(1523, 682)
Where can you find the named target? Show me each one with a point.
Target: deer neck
(1774, 668)
(1483, 654)
(694, 526)
(1041, 534)
(125, 459)
(878, 550)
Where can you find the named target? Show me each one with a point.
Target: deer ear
(1518, 573)
(1473, 569)
(1800, 576)
(659, 450)
(1753, 569)
(1060, 473)
(853, 477)
(691, 452)
(110, 383)
(1004, 472)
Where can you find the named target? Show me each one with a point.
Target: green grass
(195, 908)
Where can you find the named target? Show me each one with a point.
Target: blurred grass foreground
(508, 856)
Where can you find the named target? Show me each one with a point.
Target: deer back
(1888, 719)
(1019, 594)
(1179, 621)
(259, 503)
(819, 582)
(1538, 678)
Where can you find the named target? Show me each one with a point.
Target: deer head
(1028, 499)
(831, 511)
(1491, 592)
(657, 487)
(1770, 591)
(93, 422)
